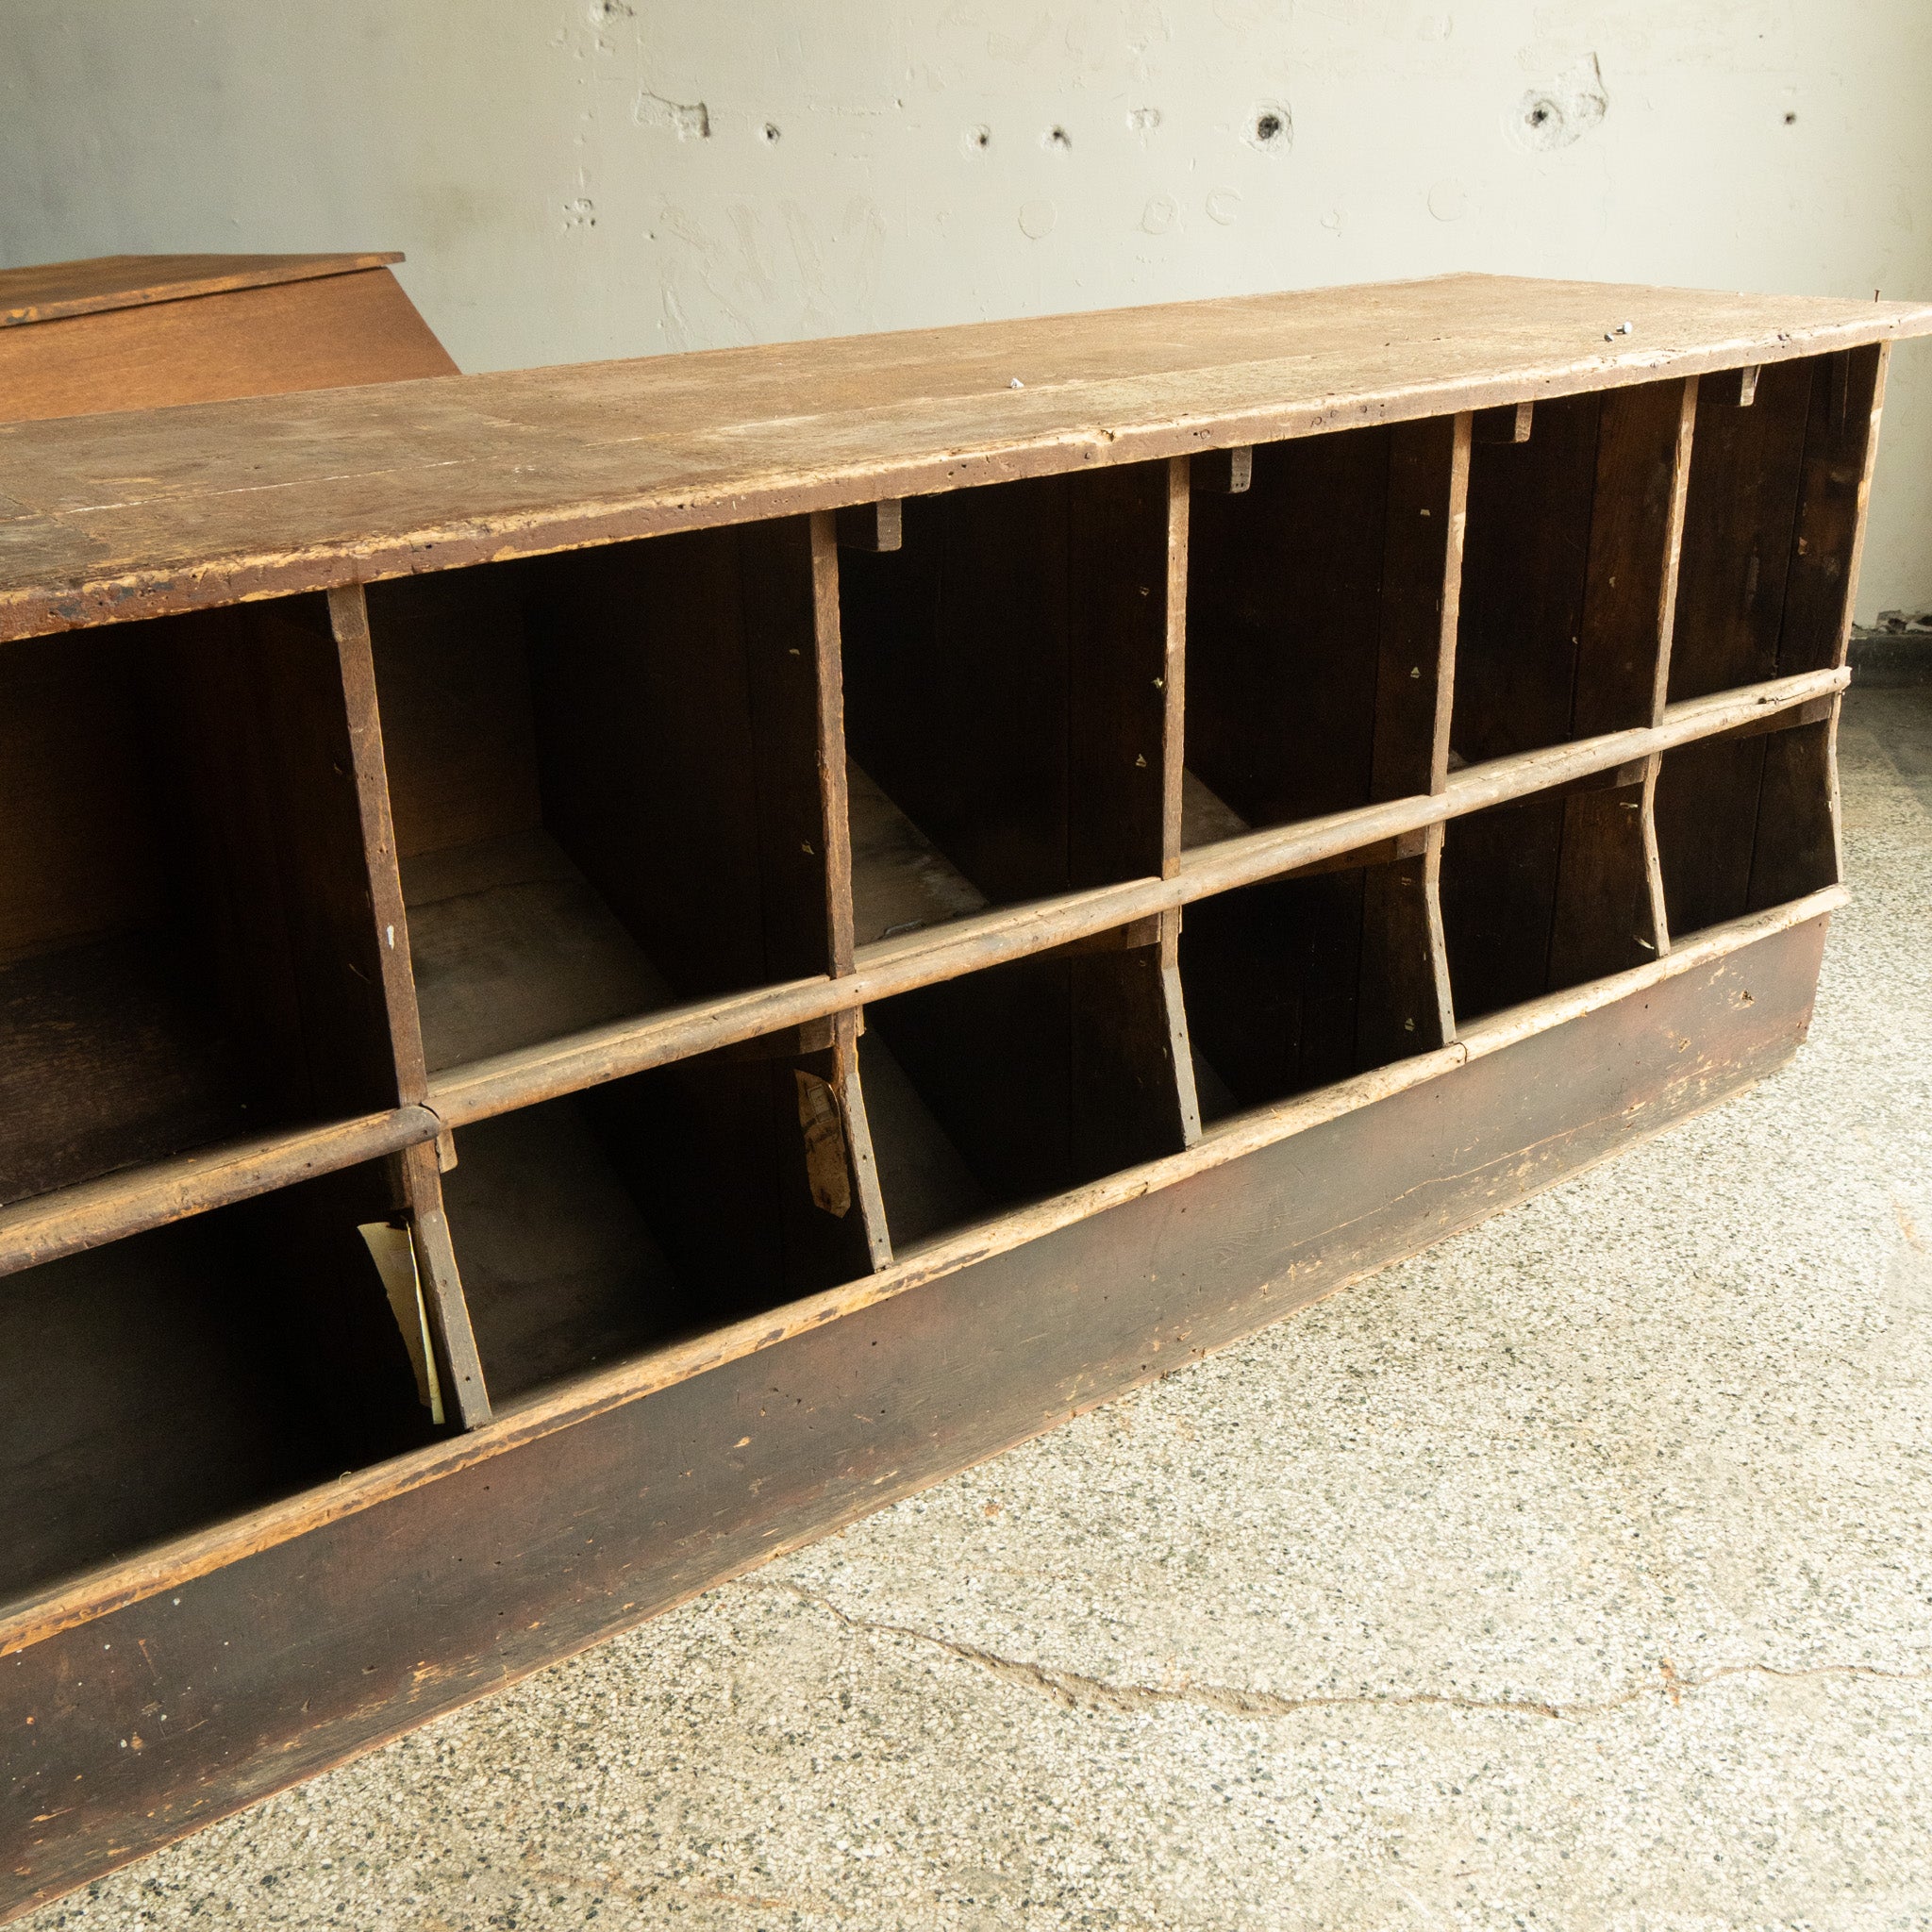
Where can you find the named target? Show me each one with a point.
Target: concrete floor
(1577, 1574)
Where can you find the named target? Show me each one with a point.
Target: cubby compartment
(1304, 980)
(187, 947)
(603, 768)
(161, 1383)
(1571, 525)
(1746, 821)
(1771, 522)
(1007, 697)
(1549, 892)
(1316, 579)
(1018, 1082)
(662, 1204)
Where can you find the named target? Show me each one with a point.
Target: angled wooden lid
(57, 289)
(110, 517)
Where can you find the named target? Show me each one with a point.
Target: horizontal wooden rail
(50, 1226)
(61, 1222)
(1016, 932)
(111, 1587)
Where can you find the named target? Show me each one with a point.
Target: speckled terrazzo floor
(1577, 1574)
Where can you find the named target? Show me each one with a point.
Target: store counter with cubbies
(605, 968)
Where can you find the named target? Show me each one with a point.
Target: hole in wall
(1056, 136)
(1272, 128)
(769, 130)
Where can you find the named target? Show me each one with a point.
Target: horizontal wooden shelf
(970, 942)
(60, 1223)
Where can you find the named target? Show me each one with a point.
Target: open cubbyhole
(1571, 526)
(153, 1386)
(1772, 522)
(1304, 980)
(663, 1204)
(1549, 892)
(188, 951)
(1316, 579)
(604, 767)
(1745, 822)
(1009, 693)
(1012, 1084)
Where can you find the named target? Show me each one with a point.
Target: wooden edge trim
(50, 1226)
(887, 967)
(169, 1565)
(1495, 1031)
(82, 602)
(294, 268)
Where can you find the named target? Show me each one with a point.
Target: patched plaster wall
(577, 179)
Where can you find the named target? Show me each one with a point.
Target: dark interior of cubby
(1313, 613)
(1302, 981)
(1562, 571)
(186, 952)
(1021, 1081)
(164, 1381)
(1005, 701)
(651, 1208)
(602, 771)
(1545, 893)
(1745, 822)
(1770, 523)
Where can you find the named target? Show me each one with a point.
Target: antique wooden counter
(605, 968)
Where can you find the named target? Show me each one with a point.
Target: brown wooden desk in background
(145, 331)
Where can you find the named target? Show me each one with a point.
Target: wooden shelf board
(512, 946)
(119, 516)
(560, 1272)
(900, 881)
(1206, 818)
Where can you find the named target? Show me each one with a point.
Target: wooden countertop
(110, 517)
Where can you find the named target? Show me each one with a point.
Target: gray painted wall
(577, 179)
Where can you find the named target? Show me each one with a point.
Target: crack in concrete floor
(1072, 1689)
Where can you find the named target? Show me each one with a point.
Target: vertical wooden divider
(417, 1181)
(1132, 1094)
(1609, 908)
(836, 1063)
(1798, 796)
(1403, 1006)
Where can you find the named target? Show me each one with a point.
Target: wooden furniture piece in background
(751, 928)
(146, 331)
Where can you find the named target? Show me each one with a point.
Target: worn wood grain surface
(123, 516)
